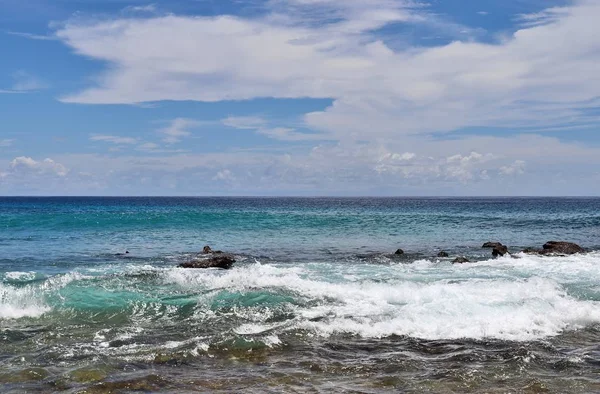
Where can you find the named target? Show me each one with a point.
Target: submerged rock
(500, 250)
(86, 375)
(442, 254)
(561, 247)
(491, 245)
(460, 260)
(399, 251)
(223, 261)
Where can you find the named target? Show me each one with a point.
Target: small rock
(206, 250)
(561, 247)
(399, 251)
(221, 261)
(442, 254)
(499, 251)
(460, 260)
(530, 251)
(491, 245)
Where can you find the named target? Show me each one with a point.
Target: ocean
(317, 301)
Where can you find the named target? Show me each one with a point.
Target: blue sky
(299, 97)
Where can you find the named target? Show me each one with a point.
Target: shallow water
(315, 302)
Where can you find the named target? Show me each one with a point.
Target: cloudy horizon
(300, 98)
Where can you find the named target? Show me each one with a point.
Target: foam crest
(31, 300)
(503, 302)
(510, 310)
(18, 276)
(16, 303)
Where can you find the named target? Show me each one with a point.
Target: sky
(300, 97)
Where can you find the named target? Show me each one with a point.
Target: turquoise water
(315, 302)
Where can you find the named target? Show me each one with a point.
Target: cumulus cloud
(24, 165)
(463, 166)
(516, 168)
(224, 175)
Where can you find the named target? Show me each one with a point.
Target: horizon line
(295, 196)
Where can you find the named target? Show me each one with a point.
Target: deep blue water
(297, 227)
(316, 295)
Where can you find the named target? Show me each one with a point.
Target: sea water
(316, 302)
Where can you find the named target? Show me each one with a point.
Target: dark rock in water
(399, 251)
(208, 250)
(460, 260)
(560, 247)
(491, 245)
(530, 251)
(442, 254)
(499, 251)
(224, 261)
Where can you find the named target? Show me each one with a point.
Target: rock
(208, 250)
(221, 261)
(442, 254)
(460, 260)
(560, 247)
(491, 245)
(530, 251)
(499, 251)
(399, 251)
(87, 375)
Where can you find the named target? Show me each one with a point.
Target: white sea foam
(20, 276)
(30, 300)
(511, 299)
(20, 302)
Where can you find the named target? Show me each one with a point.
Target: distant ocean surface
(316, 302)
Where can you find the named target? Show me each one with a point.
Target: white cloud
(516, 168)
(549, 15)
(178, 129)
(114, 139)
(262, 127)
(6, 143)
(244, 122)
(23, 82)
(543, 75)
(149, 8)
(33, 36)
(224, 175)
(148, 146)
(471, 165)
(26, 166)
(387, 100)
(289, 134)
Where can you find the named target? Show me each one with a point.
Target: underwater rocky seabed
(314, 302)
